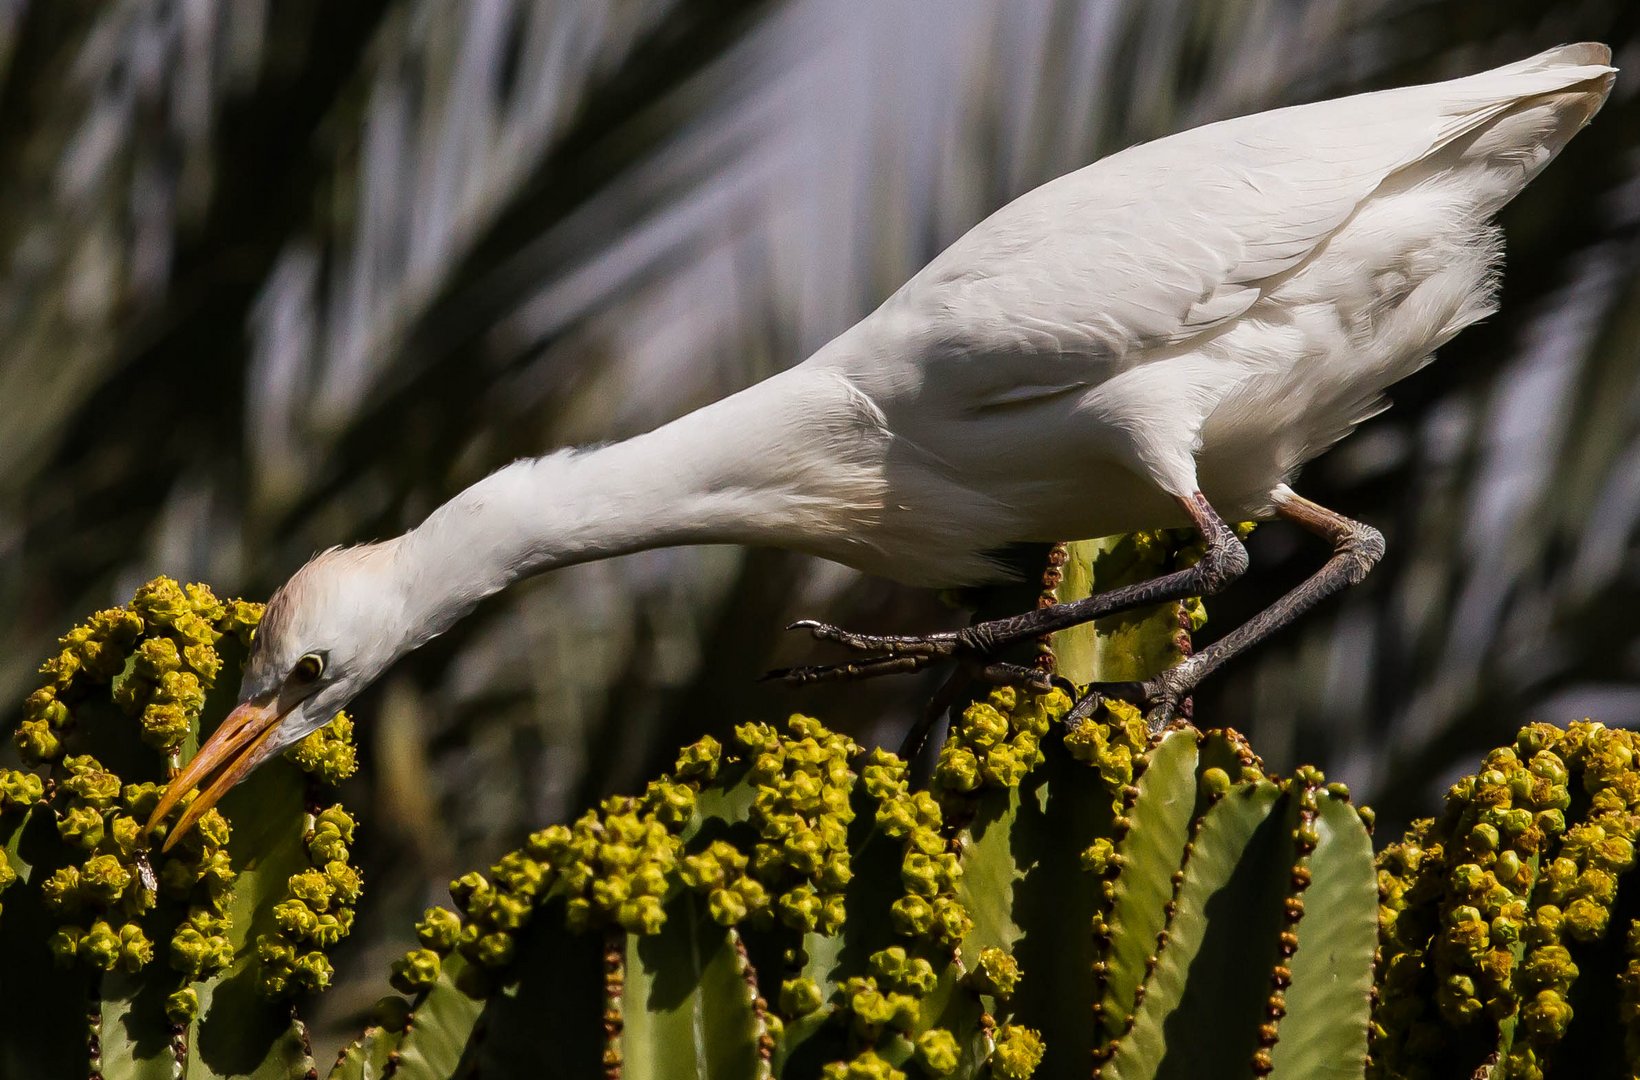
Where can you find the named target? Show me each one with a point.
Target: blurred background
(280, 276)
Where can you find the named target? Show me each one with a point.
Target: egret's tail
(1506, 124)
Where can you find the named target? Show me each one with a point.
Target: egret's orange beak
(238, 745)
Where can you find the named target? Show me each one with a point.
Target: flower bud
(799, 997)
(996, 973)
(937, 1052)
(1018, 1052)
(82, 827)
(182, 1006)
(100, 947)
(415, 971)
(438, 929)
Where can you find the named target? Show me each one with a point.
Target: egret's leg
(1356, 549)
(1224, 560)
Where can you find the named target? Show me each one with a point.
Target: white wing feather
(1162, 243)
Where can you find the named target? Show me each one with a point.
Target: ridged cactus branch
(1138, 871)
(1133, 645)
(438, 1030)
(373, 1056)
(686, 987)
(1336, 940)
(1054, 903)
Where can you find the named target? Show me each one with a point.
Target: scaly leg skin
(1224, 560)
(1356, 549)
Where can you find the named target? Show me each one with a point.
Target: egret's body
(1160, 338)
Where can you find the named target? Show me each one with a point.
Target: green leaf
(239, 1032)
(1236, 859)
(135, 1034)
(725, 802)
(559, 975)
(442, 1026)
(686, 1009)
(989, 874)
(369, 1056)
(1027, 893)
(1324, 1034)
(1152, 852)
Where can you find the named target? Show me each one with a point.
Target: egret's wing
(1135, 255)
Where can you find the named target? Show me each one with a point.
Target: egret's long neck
(793, 459)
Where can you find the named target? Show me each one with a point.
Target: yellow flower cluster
(316, 914)
(929, 910)
(1489, 897)
(177, 661)
(801, 809)
(1018, 1052)
(800, 996)
(993, 745)
(89, 655)
(868, 1066)
(997, 974)
(786, 864)
(996, 742)
(162, 679)
(938, 1052)
(155, 660)
(100, 900)
(1113, 745)
(327, 754)
(616, 865)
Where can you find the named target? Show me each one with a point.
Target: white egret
(1159, 339)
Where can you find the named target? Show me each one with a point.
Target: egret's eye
(308, 669)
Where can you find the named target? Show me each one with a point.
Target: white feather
(1205, 312)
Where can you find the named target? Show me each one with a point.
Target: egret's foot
(977, 646)
(930, 645)
(1160, 699)
(897, 654)
(989, 672)
(865, 668)
(994, 673)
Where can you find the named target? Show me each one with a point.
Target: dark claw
(1000, 674)
(1084, 708)
(1159, 701)
(930, 645)
(1161, 716)
(1144, 695)
(1062, 683)
(870, 667)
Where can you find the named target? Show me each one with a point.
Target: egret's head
(324, 636)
